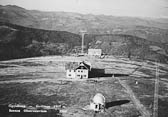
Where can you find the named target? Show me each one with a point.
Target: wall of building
(79, 73)
(94, 52)
(70, 73)
(82, 73)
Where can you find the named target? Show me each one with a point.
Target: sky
(133, 8)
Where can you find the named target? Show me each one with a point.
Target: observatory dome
(99, 99)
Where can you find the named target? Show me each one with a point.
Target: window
(96, 106)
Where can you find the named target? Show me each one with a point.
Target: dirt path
(144, 112)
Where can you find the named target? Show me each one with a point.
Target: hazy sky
(142, 8)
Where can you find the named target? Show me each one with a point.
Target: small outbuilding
(94, 52)
(78, 70)
(98, 103)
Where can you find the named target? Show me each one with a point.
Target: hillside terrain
(127, 85)
(131, 47)
(147, 28)
(29, 33)
(20, 42)
(36, 45)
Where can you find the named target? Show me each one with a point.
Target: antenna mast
(83, 36)
(156, 91)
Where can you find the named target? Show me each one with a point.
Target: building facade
(77, 70)
(94, 52)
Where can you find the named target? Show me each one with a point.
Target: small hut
(98, 103)
(94, 52)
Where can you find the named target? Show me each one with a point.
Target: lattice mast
(156, 92)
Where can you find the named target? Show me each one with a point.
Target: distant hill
(20, 42)
(147, 28)
(131, 47)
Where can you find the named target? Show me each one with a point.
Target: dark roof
(86, 65)
(76, 65)
(82, 66)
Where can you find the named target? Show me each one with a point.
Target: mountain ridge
(47, 14)
(150, 29)
(29, 33)
(20, 42)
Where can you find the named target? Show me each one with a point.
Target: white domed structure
(99, 99)
(98, 103)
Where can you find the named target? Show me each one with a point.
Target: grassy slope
(39, 80)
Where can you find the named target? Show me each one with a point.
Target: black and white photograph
(83, 58)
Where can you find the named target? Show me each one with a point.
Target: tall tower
(83, 32)
(156, 92)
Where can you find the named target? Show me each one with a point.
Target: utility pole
(83, 36)
(156, 91)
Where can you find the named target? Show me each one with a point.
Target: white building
(94, 52)
(98, 103)
(77, 70)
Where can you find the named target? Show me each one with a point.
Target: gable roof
(88, 65)
(77, 65)
(82, 66)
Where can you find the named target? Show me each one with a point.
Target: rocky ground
(128, 86)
